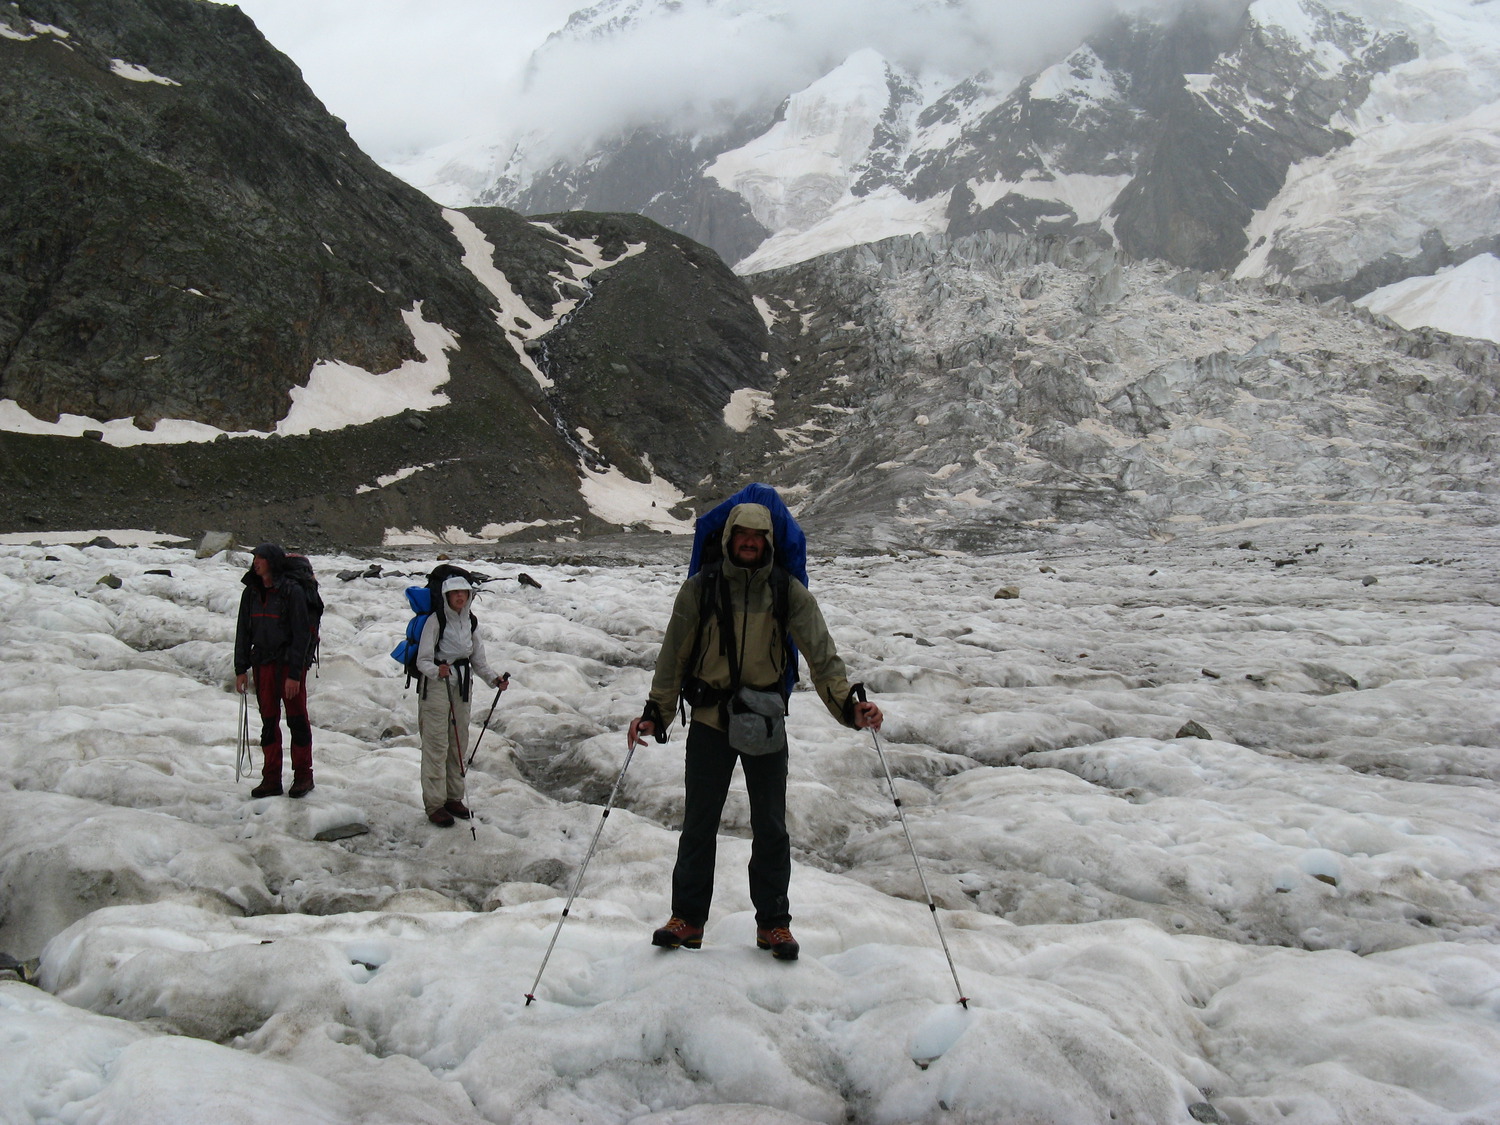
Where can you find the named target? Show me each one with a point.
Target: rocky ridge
(188, 237)
(982, 391)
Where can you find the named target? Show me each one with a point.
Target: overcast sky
(407, 75)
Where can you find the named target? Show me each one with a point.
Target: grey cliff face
(1222, 150)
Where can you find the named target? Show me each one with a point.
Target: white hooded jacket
(460, 640)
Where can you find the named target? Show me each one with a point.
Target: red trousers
(270, 683)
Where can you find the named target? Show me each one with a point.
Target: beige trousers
(442, 752)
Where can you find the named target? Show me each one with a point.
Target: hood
(756, 516)
(272, 552)
(451, 583)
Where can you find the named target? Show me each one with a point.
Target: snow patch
(1462, 300)
(336, 395)
(853, 220)
(458, 536)
(1088, 197)
(513, 313)
(340, 394)
(37, 30)
(124, 537)
(615, 498)
(747, 405)
(518, 320)
(399, 475)
(136, 73)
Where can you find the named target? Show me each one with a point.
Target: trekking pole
(486, 724)
(242, 747)
(453, 726)
(578, 880)
(859, 690)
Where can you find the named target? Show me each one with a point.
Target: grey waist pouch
(757, 721)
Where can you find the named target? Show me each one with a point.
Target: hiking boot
(779, 940)
(301, 787)
(678, 933)
(458, 809)
(267, 789)
(441, 817)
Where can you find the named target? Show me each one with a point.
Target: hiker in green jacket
(739, 643)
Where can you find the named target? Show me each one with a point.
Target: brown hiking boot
(458, 809)
(301, 787)
(678, 933)
(779, 940)
(267, 789)
(441, 817)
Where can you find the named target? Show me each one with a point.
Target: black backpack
(299, 569)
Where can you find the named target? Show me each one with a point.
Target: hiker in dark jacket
(759, 652)
(273, 640)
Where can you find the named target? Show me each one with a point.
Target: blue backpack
(423, 600)
(789, 551)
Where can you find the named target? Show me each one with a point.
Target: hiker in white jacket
(449, 656)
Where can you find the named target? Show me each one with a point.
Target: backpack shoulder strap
(781, 609)
(708, 582)
(781, 595)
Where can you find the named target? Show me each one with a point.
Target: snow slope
(1463, 300)
(1422, 160)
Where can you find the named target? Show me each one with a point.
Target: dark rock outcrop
(185, 232)
(654, 174)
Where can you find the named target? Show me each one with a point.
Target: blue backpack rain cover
(405, 653)
(789, 547)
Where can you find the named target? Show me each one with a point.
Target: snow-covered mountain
(1338, 145)
(431, 374)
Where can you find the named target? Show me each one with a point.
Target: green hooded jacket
(762, 655)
